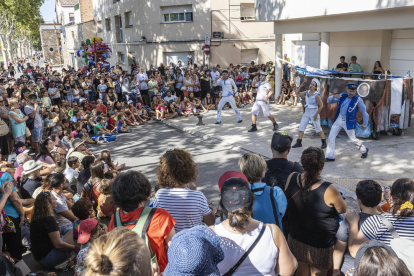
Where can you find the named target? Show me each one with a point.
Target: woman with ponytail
(401, 216)
(313, 207)
(239, 232)
(121, 252)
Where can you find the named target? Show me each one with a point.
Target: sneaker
(240, 121)
(253, 129)
(99, 142)
(323, 145)
(365, 155)
(275, 127)
(217, 123)
(329, 159)
(64, 266)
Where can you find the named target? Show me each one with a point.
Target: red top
(158, 230)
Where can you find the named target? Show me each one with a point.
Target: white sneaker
(100, 142)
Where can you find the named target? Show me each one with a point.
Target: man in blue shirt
(228, 86)
(348, 105)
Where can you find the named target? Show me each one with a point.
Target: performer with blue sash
(348, 105)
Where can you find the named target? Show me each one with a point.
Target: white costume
(310, 111)
(262, 93)
(227, 97)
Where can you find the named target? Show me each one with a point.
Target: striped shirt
(373, 228)
(186, 206)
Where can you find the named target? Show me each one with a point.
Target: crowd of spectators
(74, 209)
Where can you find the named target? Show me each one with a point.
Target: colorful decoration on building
(94, 50)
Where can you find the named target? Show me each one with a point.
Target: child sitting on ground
(121, 126)
(208, 102)
(161, 110)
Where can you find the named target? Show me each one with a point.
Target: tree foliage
(27, 14)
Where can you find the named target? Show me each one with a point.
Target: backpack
(87, 191)
(278, 206)
(404, 248)
(140, 227)
(278, 176)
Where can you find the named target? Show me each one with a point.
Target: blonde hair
(120, 252)
(253, 167)
(12, 101)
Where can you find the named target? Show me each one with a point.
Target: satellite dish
(297, 81)
(51, 49)
(363, 89)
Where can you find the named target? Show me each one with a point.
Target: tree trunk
(3, 51)
(9, 48)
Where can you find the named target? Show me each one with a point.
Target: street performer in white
(348, 105)
(264, 92)
(227, 85)
(313, 108)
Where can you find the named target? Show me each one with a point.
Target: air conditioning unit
(218, 34)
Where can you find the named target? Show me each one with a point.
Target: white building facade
(318, 32)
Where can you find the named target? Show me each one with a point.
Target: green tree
(27, 14)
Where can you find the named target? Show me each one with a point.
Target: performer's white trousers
(222, 102)
(336, 128)
(309, 113)
(261, 105)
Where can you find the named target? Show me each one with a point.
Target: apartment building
(166, 31)
(318, 32)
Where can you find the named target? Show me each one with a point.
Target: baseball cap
(235, 194)
(281, 141)
(228, 175)
(85, 229)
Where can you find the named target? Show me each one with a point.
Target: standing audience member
(12, 239)
(313, 207)
(369, 195)
(35, 112)
(176, 174)
(401, 217)
(240, 233)
(270, 202)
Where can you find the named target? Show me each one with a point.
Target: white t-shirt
(61, 206)
(141, 78)
(70, 174)
(215, 75)
(52, 91)
(263, 90)
(189, 56)
(168, 99)
(186, 206)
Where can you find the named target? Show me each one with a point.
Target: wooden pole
(57, 43)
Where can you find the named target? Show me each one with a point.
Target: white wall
(270, 10)
(402, 52)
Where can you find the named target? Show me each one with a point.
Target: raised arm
(333, 99)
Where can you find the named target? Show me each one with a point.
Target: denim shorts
(54, 257)
(65, 230)
(37, 134)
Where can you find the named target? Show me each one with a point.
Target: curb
(348, 193)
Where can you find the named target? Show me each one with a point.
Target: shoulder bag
(245, 255)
